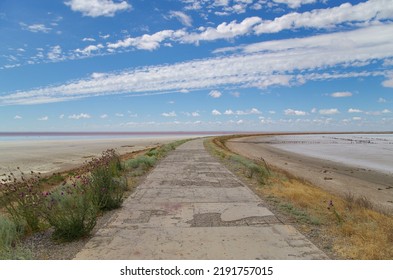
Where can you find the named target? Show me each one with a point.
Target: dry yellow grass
(351, 227)
(357, 232)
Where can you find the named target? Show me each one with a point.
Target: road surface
(192, 207)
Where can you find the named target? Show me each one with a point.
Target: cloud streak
(275, 63)
(372, 10)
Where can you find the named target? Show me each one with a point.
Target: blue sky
(196, 65)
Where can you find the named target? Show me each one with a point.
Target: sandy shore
(48, 156)
(333, 176)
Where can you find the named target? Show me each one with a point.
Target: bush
(143, 162)
(22, 198)
(152, 153)
(72, 210)
(107, 186)
(108, 191)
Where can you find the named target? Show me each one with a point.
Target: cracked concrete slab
(192, 207)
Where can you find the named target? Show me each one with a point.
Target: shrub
(152, 152)
(72, 210)
(108, 191)
(22, 198)
(143, 162)
(107, 186)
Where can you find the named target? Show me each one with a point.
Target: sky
(196, 65)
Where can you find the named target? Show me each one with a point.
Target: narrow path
(192, 207)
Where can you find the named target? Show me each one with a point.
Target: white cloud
(120, 115)
(105, 36)
(97, 75)
(104, 116)
(371, 10)
(272, 112)
(55, 53)
(146, 41)
(80, 116)
(182, 17)
(273, 63)
(61, 116)
(43, 118)
(341, 94)
(96, 8)
(216, 112)
(295, 3)
(239, 122)
(252, 111)
(193, 114)
(223, 31)
(381, 100)
(89, 49)
(291, 112)
(88, 40)
(38, 27)
(215, 94)
(357, 118)
(389, 81)
(386, 111)
(332, 111)
(351, 110)
(17, 117)
(170, 114)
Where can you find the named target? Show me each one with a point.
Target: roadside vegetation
(344, 227)
(68, 204)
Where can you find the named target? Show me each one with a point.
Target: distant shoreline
(157, 133)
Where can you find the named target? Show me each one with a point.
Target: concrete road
(192, 207)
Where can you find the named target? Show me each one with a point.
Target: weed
(360, 202)
(107, 189)
(105, 181)
(71, 210)
(298, 214)
(22, 198)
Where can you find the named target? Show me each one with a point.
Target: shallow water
(368, 151)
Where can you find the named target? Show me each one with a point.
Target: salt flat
(367, 151)
(47, 156)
